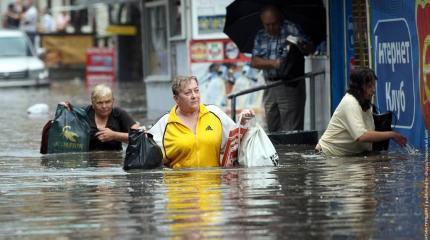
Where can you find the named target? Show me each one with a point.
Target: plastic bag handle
(241, 126)
(239, 136)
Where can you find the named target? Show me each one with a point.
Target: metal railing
(311, 77)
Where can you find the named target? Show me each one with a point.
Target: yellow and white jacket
(182, 148)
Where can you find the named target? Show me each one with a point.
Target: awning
(84, 4)
(124, 30)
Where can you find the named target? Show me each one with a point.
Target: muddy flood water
(89, 196)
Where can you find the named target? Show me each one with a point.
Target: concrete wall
(158, 95)
(317, 108)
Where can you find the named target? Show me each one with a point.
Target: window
(361, 38)
(176, 10)
(158, 48)
(14, 47)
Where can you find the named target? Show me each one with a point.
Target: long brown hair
(358, 80)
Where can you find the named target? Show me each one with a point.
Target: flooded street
(89, 196)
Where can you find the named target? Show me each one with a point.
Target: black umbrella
(243, 19)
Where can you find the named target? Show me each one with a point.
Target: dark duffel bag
(142, 151)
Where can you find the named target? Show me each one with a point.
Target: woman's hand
(105, 135)
(137, 126)
(66, 104)
(246, 114)
(399, 139)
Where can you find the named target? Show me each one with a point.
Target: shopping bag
(45, 135)
(382, 123)
(292, 66)
(255, 147)
(142, 151)
(229, 158)
(70, 131)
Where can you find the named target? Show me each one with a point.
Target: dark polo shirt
(118, 121)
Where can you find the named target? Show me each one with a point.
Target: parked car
(19, 63)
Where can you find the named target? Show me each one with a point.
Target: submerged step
(294, 137)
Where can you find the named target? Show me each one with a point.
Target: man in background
(285, 104)
(48, 22)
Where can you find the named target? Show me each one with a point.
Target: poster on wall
(395, 67)
(221, 69)
(396, 63)
(208, 18)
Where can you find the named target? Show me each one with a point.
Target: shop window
(361, 37)
(158, 49)
(176, 10)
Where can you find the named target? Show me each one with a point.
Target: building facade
(392, 37)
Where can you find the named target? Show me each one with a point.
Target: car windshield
(14, 47)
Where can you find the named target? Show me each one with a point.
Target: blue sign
(394, 66)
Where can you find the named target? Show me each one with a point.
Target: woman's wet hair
(99, 91)
(179, 82)
(359, 79)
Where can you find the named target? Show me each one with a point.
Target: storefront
(392, 38)
(185, 37)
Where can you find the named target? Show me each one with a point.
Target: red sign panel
(215, 51)
(100, 67)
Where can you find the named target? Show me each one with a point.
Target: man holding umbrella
(279, 59)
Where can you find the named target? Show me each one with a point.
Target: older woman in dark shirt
(109, 124)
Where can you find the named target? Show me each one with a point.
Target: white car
(19, 64)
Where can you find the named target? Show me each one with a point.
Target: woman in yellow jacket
(192, 134)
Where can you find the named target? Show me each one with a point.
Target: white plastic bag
(255, 148)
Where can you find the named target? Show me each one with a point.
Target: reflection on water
(87, 196)
(194, 202)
